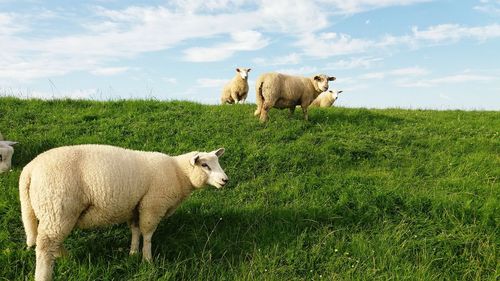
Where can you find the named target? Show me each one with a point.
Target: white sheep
(6, 152)
(236, 90)
(88, 186)
(285, 91)
(326, 99)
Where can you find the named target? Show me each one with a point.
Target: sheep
(236, 90)
(326, 99)
(6, 152)
(88, 186)
(285, 91)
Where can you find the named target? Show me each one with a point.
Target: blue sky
(387, 53)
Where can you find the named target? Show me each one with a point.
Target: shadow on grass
(231, 235)
(355, 117)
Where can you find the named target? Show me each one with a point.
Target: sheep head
(6, 152)
(207, 170)
(320, 82)
(243, 72)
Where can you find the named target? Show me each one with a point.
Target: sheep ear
(237, 70)
(331, 78)
(317, 78)
(219, 152)
(249, 69)
(9, 143)
(195, 159)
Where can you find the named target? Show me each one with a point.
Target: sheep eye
(205, 165)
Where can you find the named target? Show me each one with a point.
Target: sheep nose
(225, 180)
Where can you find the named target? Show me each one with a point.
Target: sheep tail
(27, 213)
(259, 97)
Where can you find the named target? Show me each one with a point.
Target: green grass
(353, 194)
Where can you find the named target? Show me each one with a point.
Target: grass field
(353, 194)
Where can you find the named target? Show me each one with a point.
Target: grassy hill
(353, 194)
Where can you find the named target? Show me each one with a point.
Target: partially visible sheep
(236, 90)
(95, 185)
(326, 99)
(6, 152)
(286, 91)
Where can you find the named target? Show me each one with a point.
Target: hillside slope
(351, 194)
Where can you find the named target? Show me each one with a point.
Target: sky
(414, 54)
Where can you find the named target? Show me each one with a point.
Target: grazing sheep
(6, 152)
(286, 91)
(326, 99)
(95, 185)
(236, 90)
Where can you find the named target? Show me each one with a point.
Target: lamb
(6, 152)
(236, 90)
(326, 99)
(285, 91)
(96, 185)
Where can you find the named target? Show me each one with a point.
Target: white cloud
(352, 63)
(408, 71)
(445, 33)
(108, 71)
(292, 16)
(124, 34)
(170, 80)
(329, 44)
(241, 41)
(488, 7)
(210, 83)
(373, 75)
(450, 79)
(357, 6)
(304, 70)
(108, 35)
(292, 58)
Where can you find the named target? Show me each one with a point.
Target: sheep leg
(30, 225)
(136, 234)
(234, 96)
(264, 112)
(292, 110)
(257, 111)
(45, 249)
(304, 110)
(148, 221)
(49, 245)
